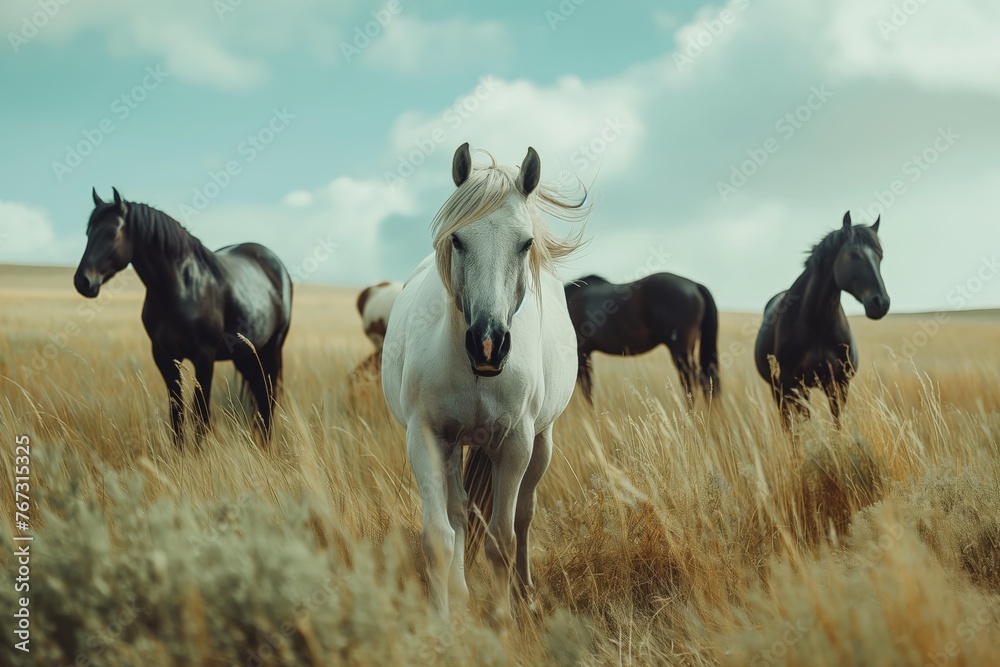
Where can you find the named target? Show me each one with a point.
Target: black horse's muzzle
(87, 285)
(487, 346)
(876, 306)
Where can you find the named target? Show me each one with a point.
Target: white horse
(481, 352)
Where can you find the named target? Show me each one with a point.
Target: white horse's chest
(438, 382)
(478, 410)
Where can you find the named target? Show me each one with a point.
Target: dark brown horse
(805, 330)
(633, 318)
(232, 304)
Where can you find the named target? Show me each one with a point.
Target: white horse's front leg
(426, 459)
(540, 457)
(510, 461)
(458, 509)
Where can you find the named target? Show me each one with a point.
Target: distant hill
(60, 279)
(57, 279)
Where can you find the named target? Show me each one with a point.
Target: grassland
(665, 535)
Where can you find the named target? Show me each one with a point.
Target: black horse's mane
(830, 245)
(154, 229)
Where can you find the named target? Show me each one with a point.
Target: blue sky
(721, 140)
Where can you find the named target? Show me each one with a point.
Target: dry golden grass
(664, 536)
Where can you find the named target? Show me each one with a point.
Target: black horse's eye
(456, 243)
(527, 245)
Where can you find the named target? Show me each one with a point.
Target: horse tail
(708, 350)
(271, 356)
(477, 478)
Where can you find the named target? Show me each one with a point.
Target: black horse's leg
(790, 402)
(783, 408)
(273, 371)
(272, 378)
(204, 366)
(254, 369)
(836, 392)
(585, 377)
(682, 360)
(172, 377)
(797, 399)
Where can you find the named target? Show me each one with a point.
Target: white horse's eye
(456, 243)
(527, 245)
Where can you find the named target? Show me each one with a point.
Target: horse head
(109, 249)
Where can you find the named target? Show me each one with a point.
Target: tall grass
(664, 535)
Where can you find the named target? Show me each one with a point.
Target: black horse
(233, 304)
(633, 318)
(805, 329)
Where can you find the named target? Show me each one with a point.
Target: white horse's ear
(97, 197)
(875, 226)
(847, 220)
(461, 164)
(531, 172)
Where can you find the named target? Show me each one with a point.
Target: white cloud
(26, 233)
(298, 198)
(330, 234)
(193, 56)
(938, 45)
(413, 46)
(578, 128)
(218, 43)
(759, 248)
(701, 38)
(224, 43)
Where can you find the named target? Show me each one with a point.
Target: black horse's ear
(461, 164)
(877, 220)
(847, 220)
(97, 198)
(531, 172)
(118, 200)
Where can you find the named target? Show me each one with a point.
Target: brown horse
(374, 304)
(805, 330)
(633, 318)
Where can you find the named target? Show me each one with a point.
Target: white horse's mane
(485, 190)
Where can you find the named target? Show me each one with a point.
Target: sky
(718, 141)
